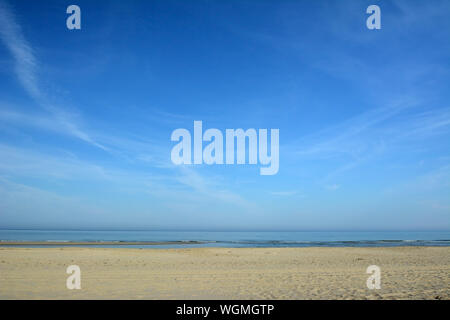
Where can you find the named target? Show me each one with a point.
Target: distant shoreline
(228, 244)
(172, 239)
(99, 243)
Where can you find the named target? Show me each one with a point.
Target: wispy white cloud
(15, 161)
(25, 61)
(350, 137)
(397, 128)
(388, 124)
(26, 71)
(425, 124)
(183, 183)
(45, 122)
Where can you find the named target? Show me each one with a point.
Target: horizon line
(216, 230)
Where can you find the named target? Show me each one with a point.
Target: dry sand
(222, 273)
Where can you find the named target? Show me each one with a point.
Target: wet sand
(225, 273)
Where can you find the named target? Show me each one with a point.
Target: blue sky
(86, 115)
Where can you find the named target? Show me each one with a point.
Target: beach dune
(225, 273)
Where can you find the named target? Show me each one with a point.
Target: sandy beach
(225, 273)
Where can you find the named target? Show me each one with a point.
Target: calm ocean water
(184, 239)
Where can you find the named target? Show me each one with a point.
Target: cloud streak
(25, 68)
(25, 61)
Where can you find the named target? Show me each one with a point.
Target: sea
(230, 239)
